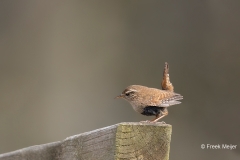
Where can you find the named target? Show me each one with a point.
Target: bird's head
(130, 93)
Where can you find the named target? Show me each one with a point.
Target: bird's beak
(120, 96)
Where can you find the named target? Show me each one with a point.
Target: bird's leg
(162, 114)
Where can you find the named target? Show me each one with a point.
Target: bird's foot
(147, 121)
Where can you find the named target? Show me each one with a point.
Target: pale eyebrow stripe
(131, 90)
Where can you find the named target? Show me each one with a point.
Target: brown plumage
(152, 101)
(166, 84)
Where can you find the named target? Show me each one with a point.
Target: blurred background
(63, 62)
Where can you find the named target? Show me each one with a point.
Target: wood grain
(123, 141)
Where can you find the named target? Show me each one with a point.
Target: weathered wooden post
(123, 141)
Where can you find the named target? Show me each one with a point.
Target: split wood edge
(123, 141)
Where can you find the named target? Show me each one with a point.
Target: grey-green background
(63, 62)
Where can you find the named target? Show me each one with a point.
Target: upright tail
(166, 84)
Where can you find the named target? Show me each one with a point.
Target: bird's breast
(137, 107)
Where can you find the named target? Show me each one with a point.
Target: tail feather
(166, 84)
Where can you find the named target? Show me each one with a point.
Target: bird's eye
(128, 93)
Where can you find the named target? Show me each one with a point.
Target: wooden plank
(123, 141)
